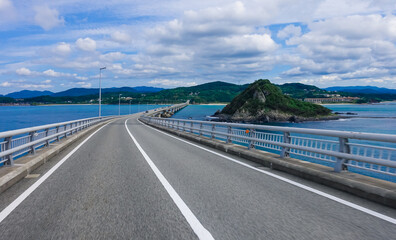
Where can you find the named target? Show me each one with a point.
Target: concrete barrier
(10, 175)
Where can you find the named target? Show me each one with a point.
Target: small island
(264, 102)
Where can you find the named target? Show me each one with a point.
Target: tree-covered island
(263, 101)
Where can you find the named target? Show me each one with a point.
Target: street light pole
(119, 104)
(100, 90)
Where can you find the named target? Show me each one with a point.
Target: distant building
(331, 100)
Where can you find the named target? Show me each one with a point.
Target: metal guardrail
(339, 149)
(16, 143)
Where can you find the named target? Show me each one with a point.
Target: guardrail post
(57, 131)
(178, 123)
(8, 146)
(229, 131)
(191, 127)
(340, 162)
(31, 139)
(46, 134)
(200, 129)
(252, 134)
(184, 126)
(212, 134)
(65, 127)
(285, 151)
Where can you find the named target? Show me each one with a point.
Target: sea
(371, 118)
(16, 117)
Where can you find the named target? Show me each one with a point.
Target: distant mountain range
(75, 92)
(28, 94)
(362, 89)
(212, 92)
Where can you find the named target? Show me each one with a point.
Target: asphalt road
(107, 190)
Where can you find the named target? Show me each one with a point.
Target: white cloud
(30, 86)
(62, 48)
(51, 73)
(172, 83)
(334, 8)
(206, 40)
(7, 11)
(251, 44)
(82, 78)
(24, 72)
(6, 84)
(47, 18)
(289, 31)
(85, 84)
(86, 44)
(120, 37)
(112, 56)
(47, 81)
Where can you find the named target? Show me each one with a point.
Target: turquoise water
(366, 120)
(16, 117)
(360, 123)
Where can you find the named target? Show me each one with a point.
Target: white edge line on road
(6, 211)
(195, 224)
(313, 190)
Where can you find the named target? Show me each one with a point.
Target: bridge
(144, 177)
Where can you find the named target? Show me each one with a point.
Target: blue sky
(60, 44)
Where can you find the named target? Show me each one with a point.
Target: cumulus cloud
(6, 84)
(120, 37)
(24, 72)
(22, 84)
(289, 31)
(171, 83)
(86, 44)
(326, 41)
(345, 48)
(47, 18)
(52, 73)
(62, 48)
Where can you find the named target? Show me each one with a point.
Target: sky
(60, 44)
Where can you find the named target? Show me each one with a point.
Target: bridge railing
(174, 108)
(341, 150)
(17, 143)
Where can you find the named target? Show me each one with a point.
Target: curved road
(130, 181)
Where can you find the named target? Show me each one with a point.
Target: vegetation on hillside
(301, 91)
(263, 97)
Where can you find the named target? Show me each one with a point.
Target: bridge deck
(107, 189)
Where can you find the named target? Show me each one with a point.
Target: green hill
(301, 91)
(214, 92)
(264, 101)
